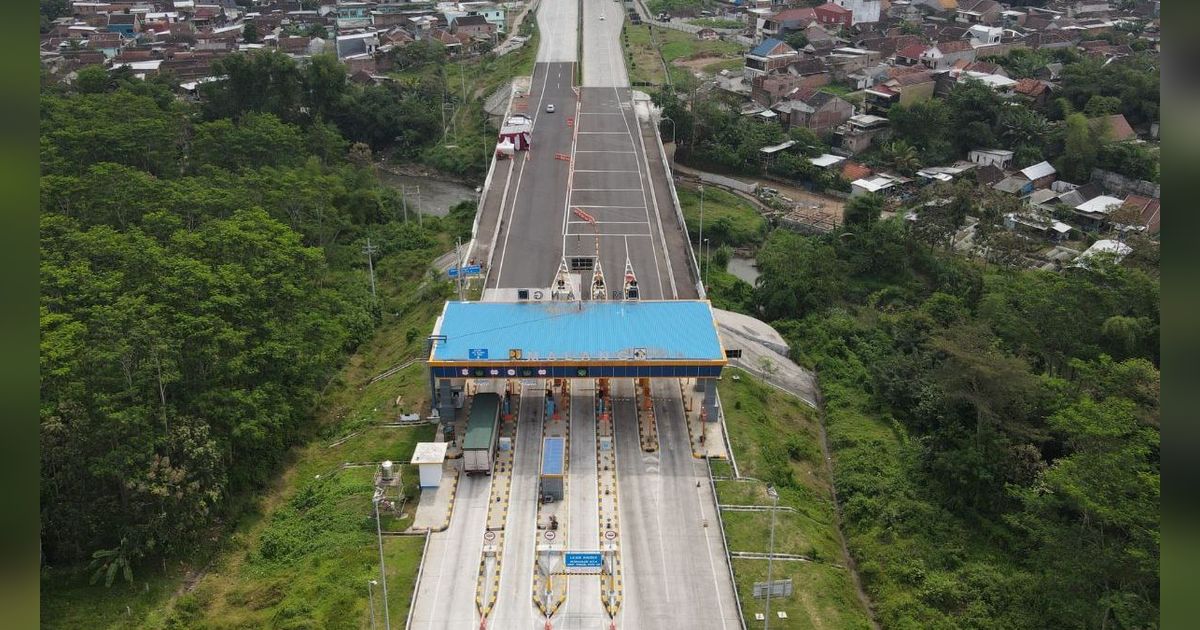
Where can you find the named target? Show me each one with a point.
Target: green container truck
(480, 444)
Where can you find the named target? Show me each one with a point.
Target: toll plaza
(569, 340)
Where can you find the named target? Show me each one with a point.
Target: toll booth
(551, 478)
(428, 457)
(592, 339)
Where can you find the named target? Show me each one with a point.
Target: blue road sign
(477, 353)
(453, 271)
(583, 560)
(469, 270)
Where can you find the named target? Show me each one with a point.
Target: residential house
(978, 11)
(473, 25)
(1116, 250)
(357, 44)
(707, 34)
(827, 161)
(771, 56)
(779, 24)
(1148, 212)
(901, 89)
(821, 112)
(1115, 127)
(1093, 213)
(859, 131)
(862, 11)
(354, 14)
(988, 174)
(1037, 224)
(1033, 91)
(766, 90)
(867, 77)
(832, 15)
(997, 157)
(910, 55)
(1040, 174)
(127, 24)
(1017, 184)
(979, 35)
(943, 54)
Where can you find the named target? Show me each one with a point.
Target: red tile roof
(1030, 87)
(833, 8)
(1118, 127)
(912, 51)
(954, 46)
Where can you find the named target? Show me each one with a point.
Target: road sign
(468, 270)
(549, 535)
(583, 560)
(489, 536)
(610, 534)
(779, 588)
(477, 353)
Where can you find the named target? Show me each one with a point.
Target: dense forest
(995, 429)
(202, 279)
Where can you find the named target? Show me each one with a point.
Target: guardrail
(712, 485)
(695, 266)
(417, 583)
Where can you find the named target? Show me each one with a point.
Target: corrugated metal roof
(668, 329)
(553, 449)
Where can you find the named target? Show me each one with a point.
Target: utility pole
(387, 619)
(771, 554)
(701, 239)
(369, 250)
(419, 219)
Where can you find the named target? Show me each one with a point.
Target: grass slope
(746, 227)
(775, 439)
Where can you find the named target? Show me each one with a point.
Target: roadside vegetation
(994, 430)
(756, 415)
(208, 330)
(647, 48)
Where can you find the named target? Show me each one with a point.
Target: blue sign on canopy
(478, 353)
(583, 560)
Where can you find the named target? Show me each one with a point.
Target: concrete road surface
(676, 575)
(603, 61)
(514, 604)
(446, 596)
(583, 610)
(558, 30)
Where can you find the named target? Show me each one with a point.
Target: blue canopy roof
(547, 332)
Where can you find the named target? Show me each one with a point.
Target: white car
(549, 108)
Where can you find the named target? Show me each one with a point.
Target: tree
(1129, 159)
(1101, 106)
(862, 211)
(254, 141)
(93, 80)
(1079, 151)
(796, 39)
(902, 156)
(324, 84)
(250, 33)
(927, 126)
(264, 81)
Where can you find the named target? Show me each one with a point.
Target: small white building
(1000, 158)
(428, 457)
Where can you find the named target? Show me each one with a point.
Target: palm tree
(903, 156)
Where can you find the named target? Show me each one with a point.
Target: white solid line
(601, 133)
(633, 207)
(603, 234)
(605, 189)
(579, 170)
(609, 222)
(625, 152)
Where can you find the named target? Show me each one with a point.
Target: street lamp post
(387, 618)
(371, 596)
(771, 553)
(707, 261)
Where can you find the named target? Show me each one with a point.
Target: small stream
(437, 195)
